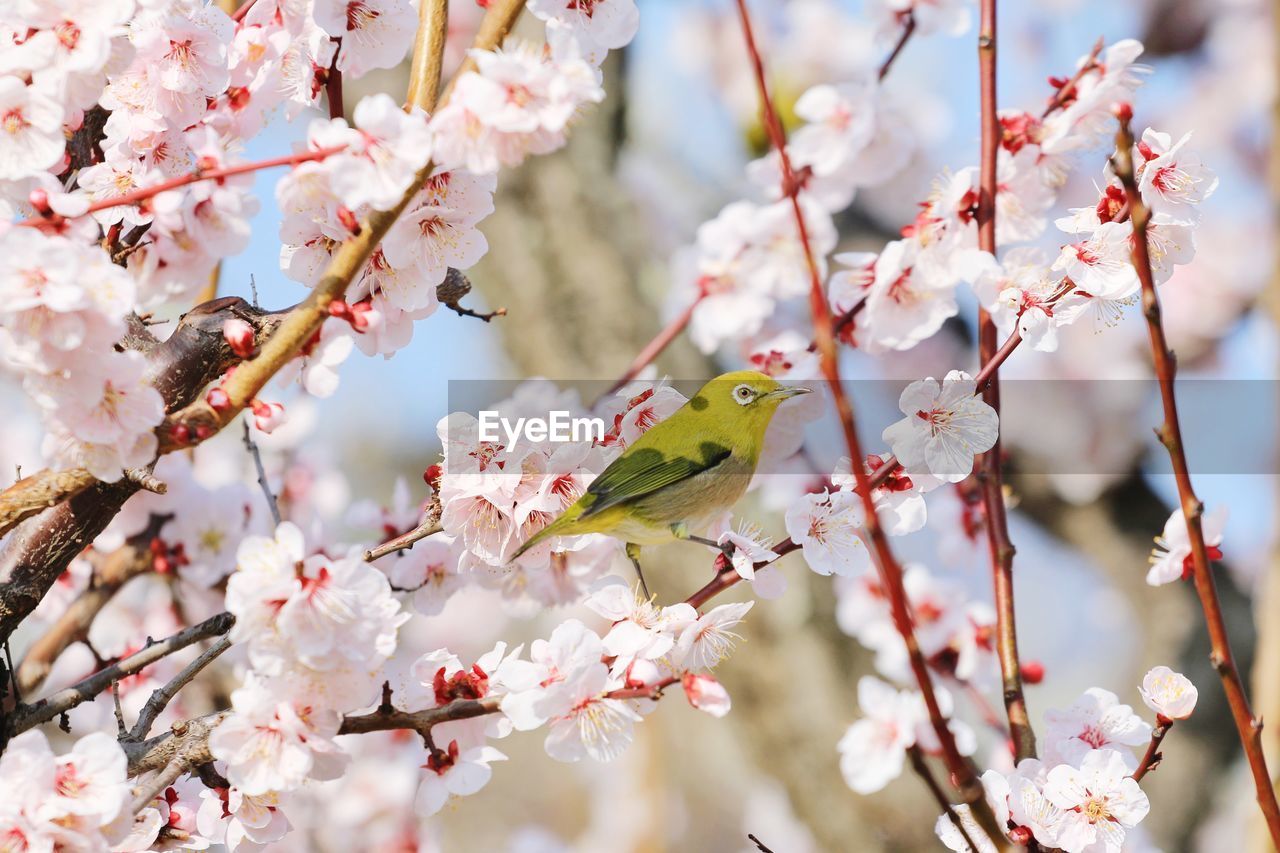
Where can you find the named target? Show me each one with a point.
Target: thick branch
(1248, 727)
(39, 550)
(201, 419)
(29, 716)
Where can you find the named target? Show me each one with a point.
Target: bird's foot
(633, 554)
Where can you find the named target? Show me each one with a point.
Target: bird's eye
(744, 394)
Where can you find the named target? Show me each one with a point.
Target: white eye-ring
(744, 394)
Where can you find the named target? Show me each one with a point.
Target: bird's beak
(786, 393)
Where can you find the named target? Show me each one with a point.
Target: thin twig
(145, 480)
(1068, 89)
(654, 348)
(143, 796)
(1248, 727)
(921, 767)
(760, 845)
(1152, 758)
(429, 525)
(110, 573)
(163, 695)
(29, 716)
(144, 193)
(988, 466)
(333, 84)
(908, 27)
(272, 505)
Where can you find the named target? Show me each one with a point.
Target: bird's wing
(644, 470)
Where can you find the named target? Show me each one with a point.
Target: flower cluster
(1083, 794)
(75, 801)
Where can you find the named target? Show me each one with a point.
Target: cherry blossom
(903, 305)
(383, 151)
(374, 33)
(1099, 802)
(1095, 721)
(609, 24)
(944, 427)
(1171, 559)
(31, 121)
(826, 526)
(873, 749)
(705, 693)
(640, 629)
(1171, 179)
(1170, 694)
(436, 232)
(707, 640)
(454, 773)
(517, 102)
(272, 743)
(749, 548)
(242, 822)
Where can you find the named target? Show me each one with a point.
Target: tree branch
(988, 466)
(1152, 757)
(29, 716)
(163, 695)
(428, 53)
(38, 551)
(119, 567)
(1248, 727)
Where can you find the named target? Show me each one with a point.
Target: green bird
(682, 473)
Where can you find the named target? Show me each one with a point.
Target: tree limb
(29, 716)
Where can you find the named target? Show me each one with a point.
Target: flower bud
(240, 337)
(1170, 694)
(218, 400)
(1122, 110)
(1032, 672)
(706, 694)
(267, 416)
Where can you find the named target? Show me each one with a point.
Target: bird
(680, 474)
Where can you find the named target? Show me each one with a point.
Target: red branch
(654, 348)
(142, 194)
(962, 771)
(333, 84)
(1152, 757)
(1068, 89)
(1248, 727)
(908, 27)
(990, 476)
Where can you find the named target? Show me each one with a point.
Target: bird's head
(745, 395)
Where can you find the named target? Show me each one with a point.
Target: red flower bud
(218, 399)
(1020, 835)
(431, 476)
(40, 201)
(1032, 671)
(1122, 110)
(239, 336)
(180, 433)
